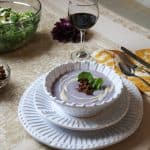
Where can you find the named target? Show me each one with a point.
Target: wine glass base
(80, 56)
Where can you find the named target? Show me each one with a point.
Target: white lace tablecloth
(40, 55)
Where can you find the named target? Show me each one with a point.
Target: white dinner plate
(108, 117)
(61, 138)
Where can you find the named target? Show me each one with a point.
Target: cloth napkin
(111, 58)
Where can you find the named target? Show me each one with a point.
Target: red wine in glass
(83, 21)
(83, 16)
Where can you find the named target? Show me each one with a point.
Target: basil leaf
(86, 76)
(97, 84)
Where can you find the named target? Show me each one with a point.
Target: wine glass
(83, 15)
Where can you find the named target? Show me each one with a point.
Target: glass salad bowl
(18, 22)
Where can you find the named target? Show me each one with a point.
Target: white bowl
(82, 107)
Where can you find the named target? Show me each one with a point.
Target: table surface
(39, 56)
(134, 7)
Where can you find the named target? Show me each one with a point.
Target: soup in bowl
(82, 89)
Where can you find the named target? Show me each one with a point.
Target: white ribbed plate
(108, 117)
(61, 138)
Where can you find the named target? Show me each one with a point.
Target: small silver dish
(4, 74)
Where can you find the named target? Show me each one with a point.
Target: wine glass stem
(82, 37)
(82, 53)
(82, 34)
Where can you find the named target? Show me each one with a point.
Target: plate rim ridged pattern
(59, 138)
(45, 108)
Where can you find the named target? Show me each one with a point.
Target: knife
(140, 60)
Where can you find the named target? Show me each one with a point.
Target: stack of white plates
(51, 126)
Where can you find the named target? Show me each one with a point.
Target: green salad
(16, 28)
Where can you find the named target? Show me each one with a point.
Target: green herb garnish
(97, 83)
(86, 75)
(88, 84)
